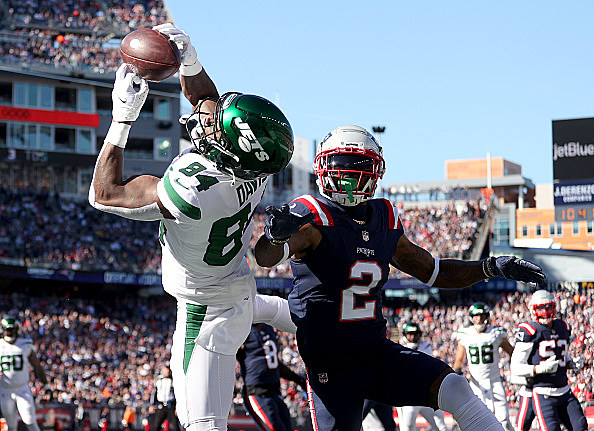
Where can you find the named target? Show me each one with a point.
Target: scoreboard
(573, 169)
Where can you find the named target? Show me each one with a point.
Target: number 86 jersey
(482, 351)
(204, 246)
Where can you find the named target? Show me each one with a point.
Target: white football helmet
(348, 164)
(542, 306)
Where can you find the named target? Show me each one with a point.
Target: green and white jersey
(482, 351)
(14, 362)
(204, 246)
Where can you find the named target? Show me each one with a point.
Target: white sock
(456, 397)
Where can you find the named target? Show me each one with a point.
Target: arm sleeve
(519, 360)
(274, 311)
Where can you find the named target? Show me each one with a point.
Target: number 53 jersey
(482, 351)
(204, 246)
(14, 363)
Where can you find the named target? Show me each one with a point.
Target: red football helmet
(542, 307)
(348, 164)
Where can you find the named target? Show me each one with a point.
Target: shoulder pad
(393, 219)
(308, 204)
(563, 324)
(525, 333)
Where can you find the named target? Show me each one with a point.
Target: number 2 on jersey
(348, 310)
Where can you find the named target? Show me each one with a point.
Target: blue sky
(449, 80)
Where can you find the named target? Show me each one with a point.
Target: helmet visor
(351, 162)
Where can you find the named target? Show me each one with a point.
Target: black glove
(281, 223)
(512, 268)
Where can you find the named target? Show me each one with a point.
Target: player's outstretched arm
(285, 234)
(136, 198)
(195, 82)
(454, 273)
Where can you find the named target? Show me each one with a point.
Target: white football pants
(492, 394)
(18, 399)
(407, 418)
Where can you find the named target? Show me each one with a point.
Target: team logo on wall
(323, 377)
(365, 235)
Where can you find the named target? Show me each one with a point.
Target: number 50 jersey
(204, 246)
(14, 363)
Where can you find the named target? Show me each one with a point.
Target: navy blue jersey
(547, 342)
(336, 299)
(258, 358)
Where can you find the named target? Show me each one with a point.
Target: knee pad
(456, 397)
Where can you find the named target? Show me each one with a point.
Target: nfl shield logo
(323, 377)
(365, 235)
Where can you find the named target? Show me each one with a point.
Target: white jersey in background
(407, 415)
(482, 351)
(204, 246)
(14, 363)
(482, 354)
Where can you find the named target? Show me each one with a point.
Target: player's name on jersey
(245, 190)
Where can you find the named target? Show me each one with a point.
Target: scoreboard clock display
(574, 212)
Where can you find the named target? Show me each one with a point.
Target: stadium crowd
(77, 34)
(107, 352)
(40, 229)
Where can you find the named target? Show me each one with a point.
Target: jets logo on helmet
(246, 136)
(542, 307)
(348, 165)
(10, 329)
(479, 309)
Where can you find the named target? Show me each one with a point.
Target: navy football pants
(396, 376)
(269, 412)
(526, 414)
(384, 413)
(553, 411)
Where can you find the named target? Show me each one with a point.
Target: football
(152, 53)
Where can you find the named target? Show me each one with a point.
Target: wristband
(486, 269)
(435, 272)
(118, 134)
(191, 70)
(285, 254)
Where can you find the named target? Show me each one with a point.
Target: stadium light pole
(378, 130)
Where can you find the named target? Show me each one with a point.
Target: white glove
(127, 101)
(547, 367)
(190, 65)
